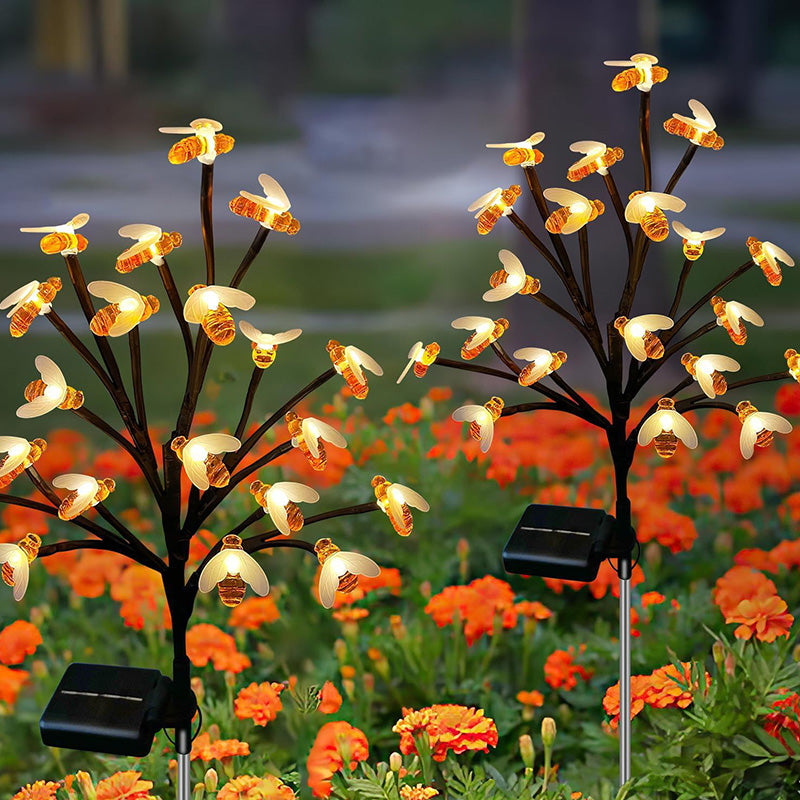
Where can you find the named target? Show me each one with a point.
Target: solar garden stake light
(92, 697)
(569, 543)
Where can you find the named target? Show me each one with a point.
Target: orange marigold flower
(667, 527)
(206, 642)
(93, 570)
(756, 558)
(418, 792)
(439, 394)
(669, 688)
(764, 617)
(330, 700)
(204, 418)
(639, 685)
(337, 743)
(779, 722)
(786, 553)
(250, 787)
(742, 495)
(124, 786)
(41, 790)
(533, 609)
(389, 578)
(560, 671)
(20, 520)
(17, 640)
(787, 399)
(533, 698)
(652, 599)
(141, 594)
(741, 583)
(259, 702)
(11, 682)
(608, 580)
(254, 612)
(220, 750)
(407, 413)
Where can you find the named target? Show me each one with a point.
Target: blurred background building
(374, 117)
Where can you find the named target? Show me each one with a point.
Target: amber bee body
(263, 358)
(207, 306)
(294, 515)
(745, 409)
(37, 447)
(340, 363)
(639, 337)
(29, 544)
(294, 424)
(700, 137)
(767, 256)
(54, 243)
(308, 434)
(665, 428)
(420, 357)
(655, 226)
(645, 209)
(500, 277)
(324, 549)
(517, 156)
(37, 388)
(557, 221)
(231, 570)
(707, 371)
(486, 330)
(193, 146)
(216, 472)
(718, 382)
(218, 324)
(542, 363)
(758, 427)
(694, 241)
(69, 505)
(405, 524)
(137, 255)
(793, 363)
(632, 77)
(489, 217)
(494, 405)
(28, 302)
(231, 589)
(103, 321)
(265, 345)
(282, 222)
(608, 156)
(730, 315)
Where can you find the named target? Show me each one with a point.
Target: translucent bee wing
(487, 434)
(470, 323)
(127, 320)
(274, 192)
(511, 264)
(113, 292)
(297, 492)
(358, 564)
(286, 336)
(411, 497)
(21, 574)
(278, 514)
(734, 310)
(179, 130)
(328, 432)
(721, 363)
(213, 572)
(468, 413)
(328, 583)
(217, 442)
(706, 382)
(257, 198)
(532, 140)
(7, 549)
(588, 147)
(564, 197)
(501, 292)
(747, 440)
(415, 350)
(195, 308)
(684, 232)
(38, 407)
(780, 254)
(234, 298)
(712, 234)
(251, 332)
(653, 322)
(774, 422)
(196, 472)
(50, 372)
(577, 220)
(634, 210)
(668, 201)
(702, 114)
(635, 344)
(141, 231)
(396, 501)
(73, 481)
(683, 429)
(205, 122)
(366, 360)
(7, 443)
(42, 229)
(619, 63)
(250, 572)
(484, 200)
(531, 353)
(19, 296)
(650, 428)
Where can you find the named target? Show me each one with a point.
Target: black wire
(195, 734)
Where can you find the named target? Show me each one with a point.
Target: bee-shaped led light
(280, 500)
(265, 345)
(420, 357)
(340, 570)
(522, 154)
(28, 302)
(665, 427)
(231, 571)
(16, 560)
(487, 330)
(642, 73)
(205, 142)
(576, 210)
(49, 392)
(510, 280)
(62, 238)
(768, 257)
(493, 205)
(694, 241)
(481, 420)
(597, 158)
(730, 315)
(207, 306)
(126, 309)
(793, 363)
(84, 492)
(394, 500)
(152, 244)
(699, 129)
(200, 457)
(639, 337)
(707, 371)
(542, 363)
(18, 455)
(270, 210)
(646, 209)
(308, 435)
(758, 427)
(350, 363)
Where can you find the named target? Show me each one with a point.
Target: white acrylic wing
(250, 571)
(775, 422)
(470, 323)
(650, 428)
(217, 442)
(38, 407)
(683, 430)
(734, 310)
(635, 344)
(511, 264)
(213, 572)
(564, 197)
(180, 129)
(276, 196)
(251, 332)
(327, 432)
(140, 231)
(468, 413)
(712, 234)
(20, 576)
(501, 292)
(668, 201)
(366, 360)
(328, 583)
(619, 63)
(415, 350)
(285, 336)
(487, 434)
(113, 292)
(682, 230)
(235, 298)
(653, 322)
(747, 440)
(782, 255)
(73, 481)
(50, 372)
(702, 114)
(12, 462)
(484, 200)
(588, 147)
(195, 308)
(358, 564)
(531, 353)
(18, 297)
(196, 472)
(278, 514)
(297, 492)
(635, 209)
(412, 497)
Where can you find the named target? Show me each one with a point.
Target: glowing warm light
(486, 330)
(665, 428)
(62, 238)
(348, 362)
(646, 209)
(768, 257)
(493, 205)
(49, 392)
(510, 280)
(28, 302)
(642, 73)
(639, 337)
(126, 309)
(730, 315)
(271, 211)
(394, 500)
(707, 371)
(200, 457)
(522, 154)
(340, 570)
(576, 210)
(16, 560)
(758, 427)
(420, 358)
(694, 241)
(18, 455)
(265, 345)
(542, 363)
(84, 493)
(481, 419)
(207, 306)
(597, 158)
(231, 570)
(152, 244)
(793, 363)
(279, 500)
(308, 435)
(698, 129)
(205, 142)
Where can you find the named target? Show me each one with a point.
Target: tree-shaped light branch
(652, 339)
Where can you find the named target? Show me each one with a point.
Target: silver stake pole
(184, 788)
(624, 670)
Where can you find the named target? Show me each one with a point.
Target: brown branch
(295, 543)
(250, 256)
(583, 242)
(597, 418)
(506, 358)
(548, 302)
(255, 379)
(509, 411)
(616, 201)
(691, 402)
(177, 307)
(136, 376)
(206, 202)
(90, 544)
(681, 168)
(644, 137)
(257, 515)
(687, 268)
(538, 244)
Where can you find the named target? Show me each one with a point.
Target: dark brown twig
(681, 168)
(644, 138)
(250, 256)
(177, 307)
(255, 379)
(616, 201)
(206, 203)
